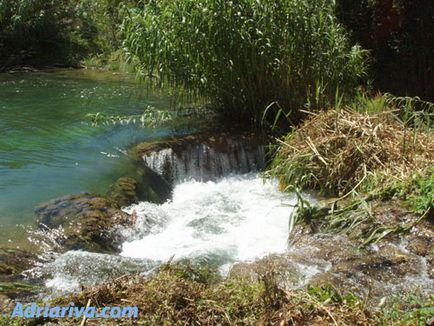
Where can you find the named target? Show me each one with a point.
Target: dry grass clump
(337, 151)
(173, 298)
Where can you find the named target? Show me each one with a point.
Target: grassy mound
(187, 295)
(339, 151)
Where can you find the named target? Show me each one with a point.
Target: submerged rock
(13, 284)
(204, 157)
(86, 222)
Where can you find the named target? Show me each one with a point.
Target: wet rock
(204, 157)
(287, 274)
(371, 273)
(149, 187)
(420, 241)
(86, 221)
(124, 192)
(13, 262)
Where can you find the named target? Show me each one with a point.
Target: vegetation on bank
(245, 55)
(57, 32)
(354, 149)
(362, 158)
(226, 41)
(181, 294)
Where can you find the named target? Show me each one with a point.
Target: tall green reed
(244, 55)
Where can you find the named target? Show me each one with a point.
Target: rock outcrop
(86, 222)
(13, 284)
(204, 157)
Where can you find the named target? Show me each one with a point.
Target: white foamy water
(204, 162)
(235, 219)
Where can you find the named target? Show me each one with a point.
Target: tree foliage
(400, 36)
(43, 32)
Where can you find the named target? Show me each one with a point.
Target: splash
(235, 219)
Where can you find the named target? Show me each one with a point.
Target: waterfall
(221, 212)
(208, 159)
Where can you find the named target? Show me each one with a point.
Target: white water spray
(235, 219)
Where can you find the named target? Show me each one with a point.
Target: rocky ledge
(204, 157)
(13, 283)
(396, 264)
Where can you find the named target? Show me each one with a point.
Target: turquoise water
(47, 146)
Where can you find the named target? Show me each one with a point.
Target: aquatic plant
(245, 55)
(151, 117)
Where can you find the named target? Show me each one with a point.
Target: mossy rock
(147, 187)
(124, 192)
(14, 287)
(153, 187)
(87, 221)
(217, 140)
(13, 262)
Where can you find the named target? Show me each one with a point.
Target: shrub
(245, 55)
(43, 32)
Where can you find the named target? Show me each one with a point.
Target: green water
(48, 148)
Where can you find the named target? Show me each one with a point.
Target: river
(49, 149)
(47, 146)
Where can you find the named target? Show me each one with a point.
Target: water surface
(47, 146)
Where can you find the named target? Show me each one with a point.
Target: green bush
(44, 32)
(245, 55)
(31, 28)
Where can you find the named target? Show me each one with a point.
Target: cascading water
(219, 214)
(207, 160)
(237, 218)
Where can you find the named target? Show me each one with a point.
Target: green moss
(14, 288)
(124, 192)
(407, 309)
